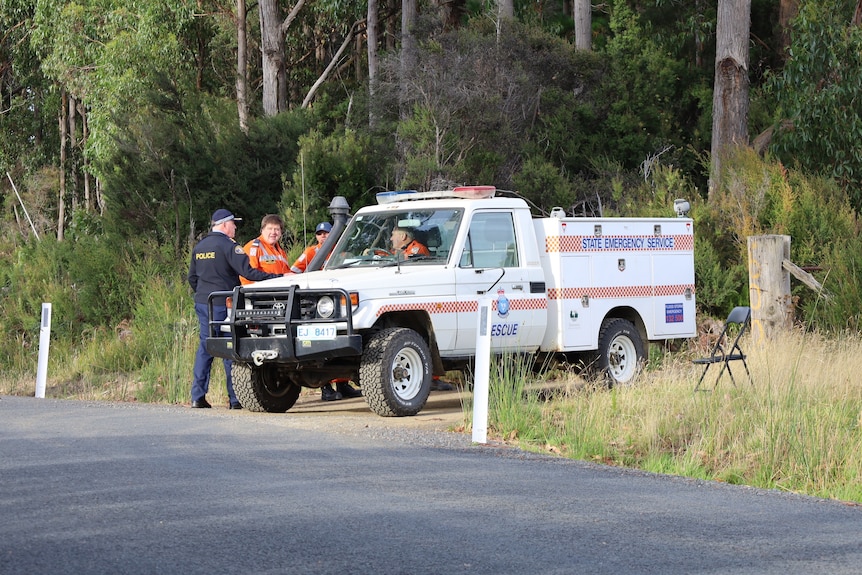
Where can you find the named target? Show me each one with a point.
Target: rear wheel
(395, 373)
(621, 351)
(262, 388)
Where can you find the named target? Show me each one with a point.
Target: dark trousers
(203, 360)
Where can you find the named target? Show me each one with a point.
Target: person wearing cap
(217, 262)
(264, 252)
(321, 232)
(327, 393)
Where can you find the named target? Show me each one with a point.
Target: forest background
(125, 124)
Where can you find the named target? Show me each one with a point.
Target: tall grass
(797, 427)
(148, 359)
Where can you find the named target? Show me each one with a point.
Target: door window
(491, 242)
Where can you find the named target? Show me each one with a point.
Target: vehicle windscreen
(415, 237)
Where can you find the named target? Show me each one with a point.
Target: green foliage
(164, 336)
(327, 166)
(840, 314)
(27, 104)
(758, 197)
(478, 123)
(818, 111)
(543, 184)
(721, 284)
(92, 283)
(511, 407)
(649, 95)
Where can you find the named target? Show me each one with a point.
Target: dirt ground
(444, 410)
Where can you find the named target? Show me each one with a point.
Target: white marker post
(482, 372)
(44, 344)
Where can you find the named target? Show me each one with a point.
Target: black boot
(329, 394)
(347, 390)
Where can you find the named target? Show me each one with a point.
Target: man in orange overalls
(327, 393)
(264, 252)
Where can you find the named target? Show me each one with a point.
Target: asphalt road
(130, 488)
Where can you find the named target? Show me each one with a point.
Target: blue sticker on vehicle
(673, 313)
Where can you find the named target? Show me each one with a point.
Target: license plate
(316, 332)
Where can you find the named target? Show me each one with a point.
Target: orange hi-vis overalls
(267, 257)
(301, 263)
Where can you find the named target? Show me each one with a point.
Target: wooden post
(769, 285)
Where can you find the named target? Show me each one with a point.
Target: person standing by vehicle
(264, 252)
(217, 261)
(321, 233)
(327, 393)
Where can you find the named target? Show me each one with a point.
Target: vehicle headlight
(325, 307)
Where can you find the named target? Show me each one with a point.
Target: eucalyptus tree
(819, 111)
(506, 9)
(242, 65)
(273, 28)
(730, 92)
(372, 26)
(582, 15)
(134, 68)
(28, 126)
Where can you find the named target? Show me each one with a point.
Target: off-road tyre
(395, 372)
(261, 388)
(620, 353)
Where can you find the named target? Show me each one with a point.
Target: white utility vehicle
(589, 290)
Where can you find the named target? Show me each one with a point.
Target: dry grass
(797, 427)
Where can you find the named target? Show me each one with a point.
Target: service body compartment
(597, 268)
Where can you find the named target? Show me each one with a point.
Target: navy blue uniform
(217, 262)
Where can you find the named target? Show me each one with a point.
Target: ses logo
(502, 304)
(503, 307)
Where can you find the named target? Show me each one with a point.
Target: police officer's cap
(323, 227)
(221, 216)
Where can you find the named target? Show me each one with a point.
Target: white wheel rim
(622, 359)
(406, 373)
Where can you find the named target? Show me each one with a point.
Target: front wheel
(621, 351)
(395, 373)
(263, 388)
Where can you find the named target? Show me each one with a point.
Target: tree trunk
(452, 12)
(730, 93)
(787, 11)
(272, 33)
(72, 158)
(409, 13)
(272, 53)
(373, 61)
(282, 81)
(506, 9)
(241, 66)
(332, 64)
(583, 25)
(85, 129)
(61, 202)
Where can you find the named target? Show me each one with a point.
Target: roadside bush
(327, 166)
(761, 196)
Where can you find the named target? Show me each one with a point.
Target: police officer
(217, 262)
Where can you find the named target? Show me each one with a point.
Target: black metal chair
(738, 321)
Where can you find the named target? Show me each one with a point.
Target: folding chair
(740, 317)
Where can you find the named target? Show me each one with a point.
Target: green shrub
(328, 165)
